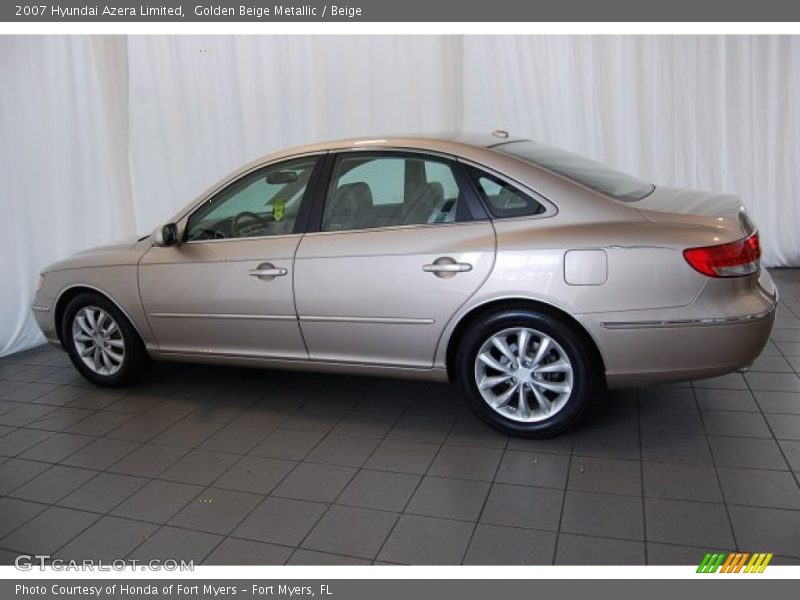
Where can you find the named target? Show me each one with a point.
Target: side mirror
(166, 235)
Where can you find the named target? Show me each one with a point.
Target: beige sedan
(527, 275)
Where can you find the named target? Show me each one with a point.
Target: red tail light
(726, 260)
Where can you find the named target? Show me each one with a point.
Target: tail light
(734, 259)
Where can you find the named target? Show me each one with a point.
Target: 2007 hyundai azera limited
(528, 275)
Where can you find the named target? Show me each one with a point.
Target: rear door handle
(446, 267)
(267, 272)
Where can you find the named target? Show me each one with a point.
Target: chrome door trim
(384, 320)
(314, 319)
(164, 315)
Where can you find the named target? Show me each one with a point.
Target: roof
(438, 140)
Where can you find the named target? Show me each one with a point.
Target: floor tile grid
(564, 501)
(431, 462)
(248, 513)
(110, 510)
(56, 503)
(794, 473)
(416, 488)
(165, 468)
(483, 505)
(385, 437)
(299, 546)
(716, 472)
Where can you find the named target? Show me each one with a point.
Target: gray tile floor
(228, 466)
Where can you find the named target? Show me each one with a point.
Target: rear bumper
(692, 345)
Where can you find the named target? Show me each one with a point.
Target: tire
(554, 399)
(86, 322)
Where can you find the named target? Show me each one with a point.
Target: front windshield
(585, 171)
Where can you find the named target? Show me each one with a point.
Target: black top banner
(131, 11)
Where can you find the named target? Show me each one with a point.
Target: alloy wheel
(98, 340)
(523, 374)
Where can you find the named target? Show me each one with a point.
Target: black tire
(584, 370)
(136, 360)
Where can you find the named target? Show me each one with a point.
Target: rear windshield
(590, 173)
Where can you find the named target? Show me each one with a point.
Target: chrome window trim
(396, 227)
(250, 238)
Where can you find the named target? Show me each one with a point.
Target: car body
(382, 255)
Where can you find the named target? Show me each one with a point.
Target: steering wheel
(246, 223)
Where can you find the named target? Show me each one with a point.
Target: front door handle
(446, 267)
(267, 272)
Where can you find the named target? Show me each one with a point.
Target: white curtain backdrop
(104, 137)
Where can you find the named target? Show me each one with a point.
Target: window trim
(474, 205)
(303, 214)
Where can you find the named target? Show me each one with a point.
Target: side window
(502, 199)
(262, 203)
(382, 191)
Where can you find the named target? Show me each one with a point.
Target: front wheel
(101, 342)
(525, 373)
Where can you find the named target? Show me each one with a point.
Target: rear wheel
(101, 342)
(525, 373)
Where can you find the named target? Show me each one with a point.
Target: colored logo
(734, 562)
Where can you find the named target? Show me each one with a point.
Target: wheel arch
(481, 310)
(73, 291)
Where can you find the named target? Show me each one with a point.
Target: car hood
(723, 212)
(124, 252)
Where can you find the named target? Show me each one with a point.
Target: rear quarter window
(503, 199)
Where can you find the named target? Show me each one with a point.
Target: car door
(227, 289)
(401, 245)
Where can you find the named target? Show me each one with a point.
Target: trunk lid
(681, 206)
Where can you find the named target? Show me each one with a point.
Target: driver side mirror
(166, 235)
